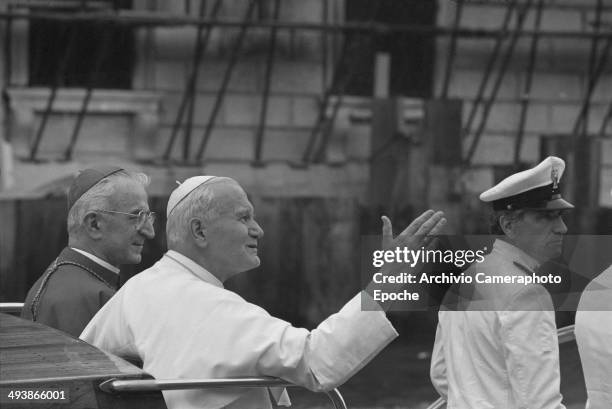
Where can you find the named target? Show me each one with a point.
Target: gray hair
(199, 203)
(496, 215)
(98, 197)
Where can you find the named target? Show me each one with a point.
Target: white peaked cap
(184, 189)
(535, 188)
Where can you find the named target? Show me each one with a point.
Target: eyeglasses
(141, 217)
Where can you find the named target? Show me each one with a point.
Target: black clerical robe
(70, 292)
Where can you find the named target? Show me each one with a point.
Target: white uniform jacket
(594, 339)
(498, 348)
(182, 323)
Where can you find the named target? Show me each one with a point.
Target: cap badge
(554, 176)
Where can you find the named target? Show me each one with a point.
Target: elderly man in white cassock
(177, 317)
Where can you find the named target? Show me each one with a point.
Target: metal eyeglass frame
(142, 216)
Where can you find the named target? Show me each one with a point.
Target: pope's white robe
(594, 339)
(182, 323)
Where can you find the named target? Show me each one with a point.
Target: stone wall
(163, 65)
(301, 73)
(559, 83)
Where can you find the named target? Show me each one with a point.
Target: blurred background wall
(329, 113)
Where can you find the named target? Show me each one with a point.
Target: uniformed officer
(499, 347)
(594, 339)
(108, 222)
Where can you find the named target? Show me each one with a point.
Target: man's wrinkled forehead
(128, 192)
(231, 196)
(244, 208)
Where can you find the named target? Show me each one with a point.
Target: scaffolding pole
(591, 69)
(324, 45)
(263, 113)
(51, 100)
(605, 121)
(314, 133)
(489, 69)
(6, 153)
(8, 51)
(190, 87)
(452, 49)
(518, 143)
(601, 64)
(328, 126)
(226, 78)
(502, 71)
(553, 4)
(128, 17)
(88, 94)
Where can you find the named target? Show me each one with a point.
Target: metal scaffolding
(96, 12)
(141, 19)
(188, 101)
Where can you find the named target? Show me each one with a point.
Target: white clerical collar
(98, 260)
(193, 267)
(511, 251)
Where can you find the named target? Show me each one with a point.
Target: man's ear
(507, 225)
(197, 230)
(92, 225)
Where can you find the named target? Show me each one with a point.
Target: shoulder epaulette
(522, 267)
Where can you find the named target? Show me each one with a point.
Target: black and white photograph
(252, 204)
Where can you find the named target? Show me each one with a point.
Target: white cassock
(182, 323)
(594, 338)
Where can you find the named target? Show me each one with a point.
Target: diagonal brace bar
(489, 69)
(225, 82)
(259, 135)
(188, 96)
(502, 71)
(528, 82)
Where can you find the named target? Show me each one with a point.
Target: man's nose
(256, 230)
(560, 226)
(147, 230)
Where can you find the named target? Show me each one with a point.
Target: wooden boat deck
(37, 357)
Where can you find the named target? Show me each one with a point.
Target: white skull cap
(184, 189)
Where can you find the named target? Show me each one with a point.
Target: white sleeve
(320, 359)
(108, 330)
(346, 341)
(437, 371)
(531, 348)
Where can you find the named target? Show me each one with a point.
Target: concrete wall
(301, 73)
(559, 83)
(297, 83)
(163, 64)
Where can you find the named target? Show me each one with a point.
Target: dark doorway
(412, 55)
(81, 54)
